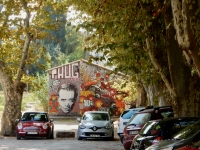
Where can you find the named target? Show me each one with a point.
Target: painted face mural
(67, 94)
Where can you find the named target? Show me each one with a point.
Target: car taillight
(125, 131)
(157, 139)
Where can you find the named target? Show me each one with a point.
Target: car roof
(151, 109)
(95, 112)
(171, 119)
(137, 108)
(29, 112)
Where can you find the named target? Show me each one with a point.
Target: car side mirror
(78, 119)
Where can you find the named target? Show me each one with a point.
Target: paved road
(9, 143)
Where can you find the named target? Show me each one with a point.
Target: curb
(64, 134)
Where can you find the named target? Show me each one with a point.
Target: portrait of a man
(67, 95)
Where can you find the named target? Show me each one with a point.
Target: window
(95, 116)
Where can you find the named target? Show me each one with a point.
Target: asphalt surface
(59, 143)
(63, 125)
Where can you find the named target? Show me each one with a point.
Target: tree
(40, 91)
(137, 36)
(20, 46)
(186, 23)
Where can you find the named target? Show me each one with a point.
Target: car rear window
(139, 118)
(127, 114)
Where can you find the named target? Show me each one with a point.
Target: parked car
(138, 120)
(124, 118)
(193, 146)
(34, 124)
(186, 136)
(95, 124)
(157, 130)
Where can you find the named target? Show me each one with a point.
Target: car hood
(95, 123)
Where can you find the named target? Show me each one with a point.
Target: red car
(194, 146)
(138, 120)
(34, 124)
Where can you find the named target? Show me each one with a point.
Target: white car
(124, 118)
(95, 124)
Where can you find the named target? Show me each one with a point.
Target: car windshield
(128, 113)
(151, 128)
(139, 118)
(34, 117)
(188, 131)
(95, 116)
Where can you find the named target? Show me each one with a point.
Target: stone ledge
(64, 134)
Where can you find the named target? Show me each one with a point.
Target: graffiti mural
(78, 87)
(96, 91)
(64, 90)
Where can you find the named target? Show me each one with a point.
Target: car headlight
(19, 125)
(108, 126)
(45, 126)
(82, 127)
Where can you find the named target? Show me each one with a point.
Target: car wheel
(48, 135)
(80, 138)
(121, 138)
(52, 134)
(17, 136)
(112, 137)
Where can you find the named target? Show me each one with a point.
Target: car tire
(121, 138)
(48, 135)
(80, 138)
(52, 134)
(17, 136)
(112, 137)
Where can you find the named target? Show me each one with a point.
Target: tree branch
(159, 68)
(26, 43)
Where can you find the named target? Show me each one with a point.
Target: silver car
(95, 124)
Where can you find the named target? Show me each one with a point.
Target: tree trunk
(13, 94)
(141, 97)
(192, 105)
(186, 22)
(13, 89)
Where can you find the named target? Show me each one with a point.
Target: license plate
(32, 133)
(95, 135)
(133, 132)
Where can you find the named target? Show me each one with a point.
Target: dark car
(138, 120)
(124, 118)
(157, 130)
(34, 124)
(186, 136)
